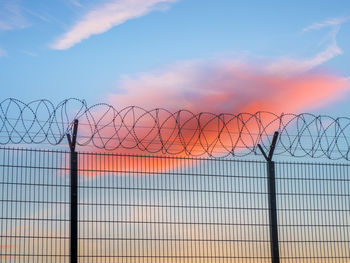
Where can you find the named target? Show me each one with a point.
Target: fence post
(275, 258)
(73, 245)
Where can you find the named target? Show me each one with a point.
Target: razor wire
(180, 132)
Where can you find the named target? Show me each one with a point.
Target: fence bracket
(73, 142)
(73, 246)
(275, 258)
(272, 148)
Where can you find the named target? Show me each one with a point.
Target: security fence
(145, 195)
(146, 208)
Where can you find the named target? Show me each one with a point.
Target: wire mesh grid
(314, 212)
(170, 209)
(34, 221)
(160, 209)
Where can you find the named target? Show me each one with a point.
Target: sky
(289, 56)
(201, 55)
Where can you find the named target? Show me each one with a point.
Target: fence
(73, 207)
(138, 208)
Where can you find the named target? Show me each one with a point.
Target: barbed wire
(180, 132)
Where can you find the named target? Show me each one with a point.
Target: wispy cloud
(291, 66)
(29, 53)
(42, 17)
(331, 22)
(76, 3)
(11, 16)
(3, 52)
(5, 26)
(103, 18)
(288, 65)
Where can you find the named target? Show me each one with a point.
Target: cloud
(288, 66)
(331, 22)
(103, 18)
(3, 52)
(4, 26)
(292, 66)
(220, 86)
(11, 16)
(236, 85)
(76, 3)
(29, 53)
(230, 85)
(233, 86)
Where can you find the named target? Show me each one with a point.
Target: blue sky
(94, 49)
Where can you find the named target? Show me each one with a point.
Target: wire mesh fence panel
(160, 209)
(313, 212)
(34, 225)
(134, 208)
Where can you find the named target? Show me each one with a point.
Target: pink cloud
(232, 87)
(206, 86)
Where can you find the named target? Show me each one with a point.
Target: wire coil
(181, 132)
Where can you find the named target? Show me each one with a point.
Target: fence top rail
(105, 155)
(181, 132)
(27, 149)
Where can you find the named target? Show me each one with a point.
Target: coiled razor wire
(180, 132)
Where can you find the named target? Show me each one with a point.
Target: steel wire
(181, 132)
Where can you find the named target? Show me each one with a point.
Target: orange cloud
(220, 87)
(232, 87)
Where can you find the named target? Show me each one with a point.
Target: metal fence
(170, 209)
(34, 207)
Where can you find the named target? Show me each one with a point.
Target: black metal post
(273, 212)
(74, 207)
(73, 246)
(271, 185)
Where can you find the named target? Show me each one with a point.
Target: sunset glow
(222, 88)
